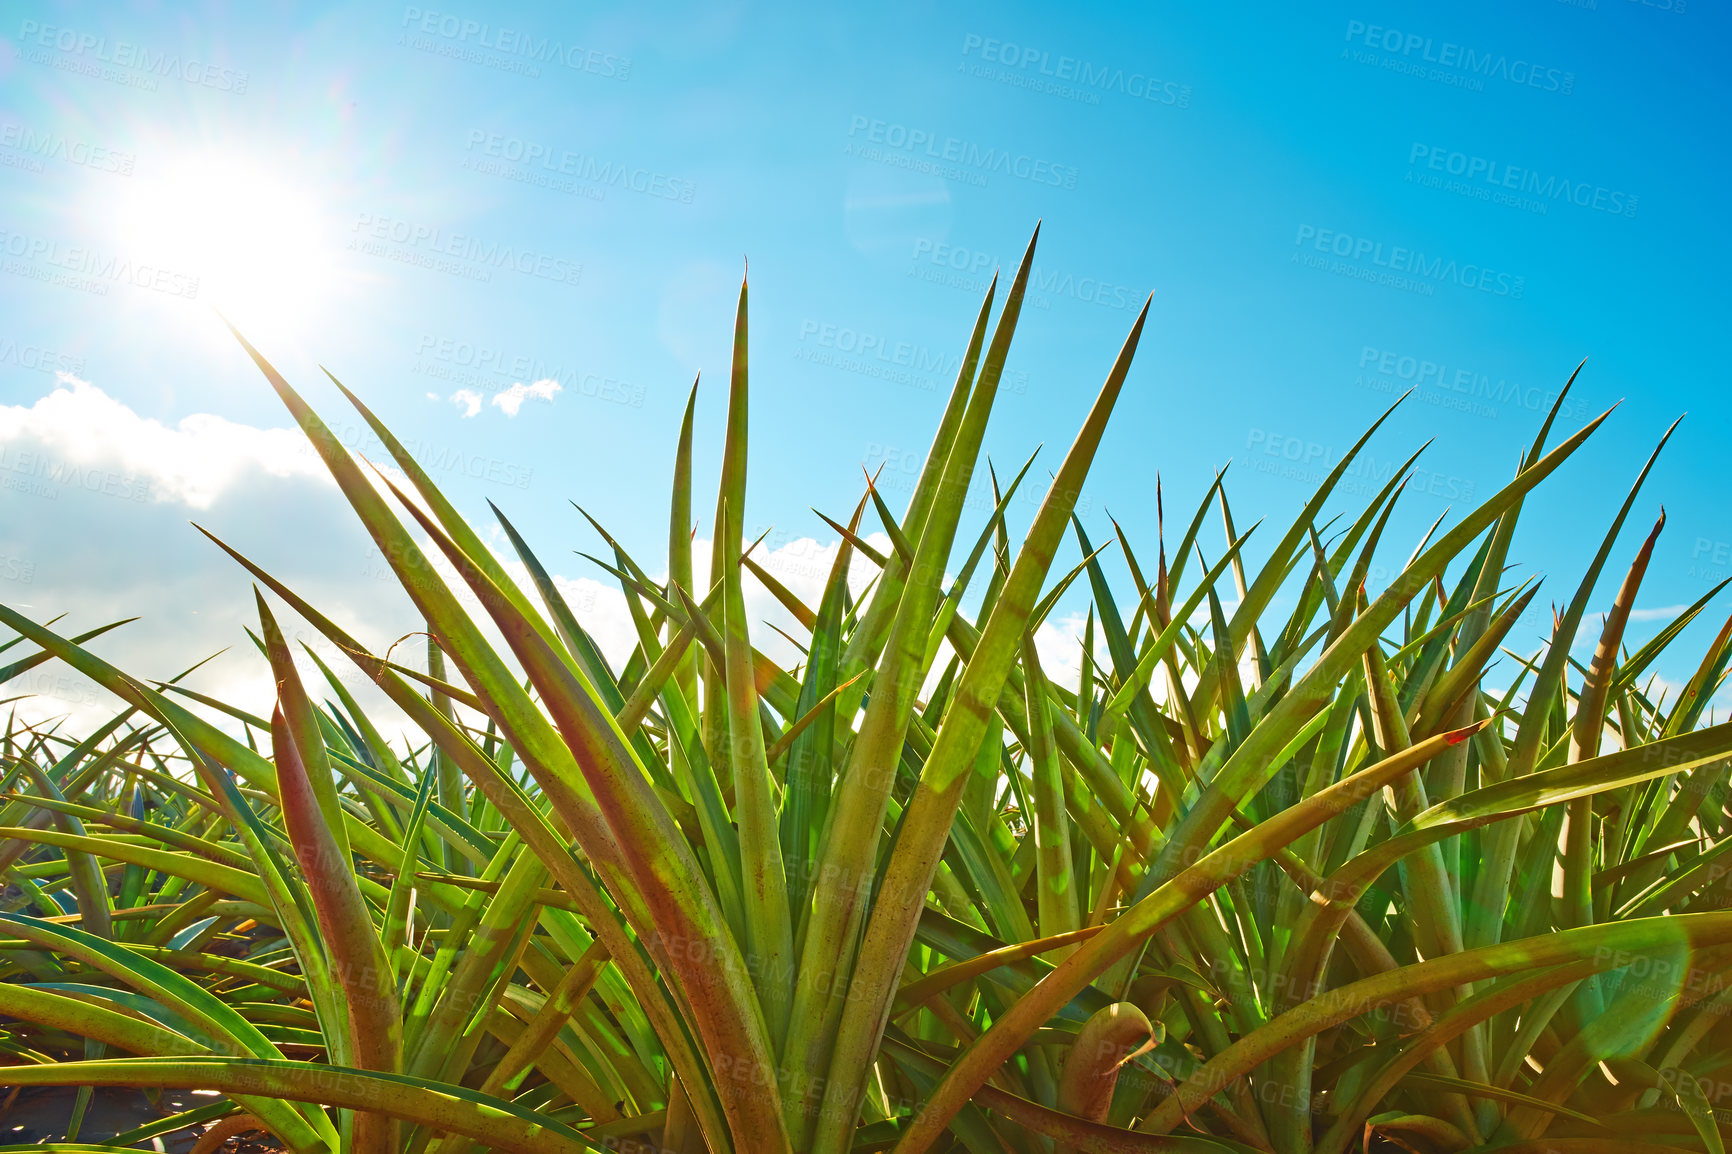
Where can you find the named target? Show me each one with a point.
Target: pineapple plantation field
(1294, 865)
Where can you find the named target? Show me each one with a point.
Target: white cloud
(119, 546)
(97, 499)
(511, 400)
(802, 566)
(1059, 646)
(78, 437)
(1594, 624)
(508, 401)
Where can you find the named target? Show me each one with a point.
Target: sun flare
(254, 237)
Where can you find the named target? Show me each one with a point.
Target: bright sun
(254, 239)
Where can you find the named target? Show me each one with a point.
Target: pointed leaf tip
(1457, 736)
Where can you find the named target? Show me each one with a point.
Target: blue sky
(1329, 202)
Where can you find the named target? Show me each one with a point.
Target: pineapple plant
(1286, 870)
